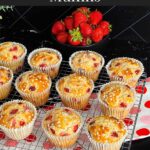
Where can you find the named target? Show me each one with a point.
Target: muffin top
(16, 115)
(117, 95)
(5, 75)
(30, 82)
(11, 51)
(106, 129)
(62, 122)
(44, 58)
(86, 60)
(75, 84)
(125, 68)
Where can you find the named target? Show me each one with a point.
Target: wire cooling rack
(54, 100)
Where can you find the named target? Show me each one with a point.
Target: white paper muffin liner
(90, 74)
(106, 146)
(63, 141)
(51, 70)
(132, 81)
(119, 113)
(24, 131)
(75, 102)
(16, 65)
(38, 99)
(5, 88)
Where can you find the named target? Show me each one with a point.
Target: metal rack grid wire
(54, 100)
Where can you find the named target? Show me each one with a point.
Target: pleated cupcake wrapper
(89, 74)
(5, 88)
(119, 113)
(24, 131)
(72, 101)
(129, 81)
(37, 99)
(106, 146)
(50, 67)
(63, 141)
(16, 65)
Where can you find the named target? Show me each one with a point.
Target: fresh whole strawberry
(83, 43)
(95, 17)
(97, 34)
(85, 29)
(62, 37)
(74, 37)
(57, 27)
(86, 41)
(69, 22)
(105, 25)
(72, 41)
(79, 17)
(84, 10)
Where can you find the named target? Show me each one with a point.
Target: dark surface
(128, 22)
(141, 144)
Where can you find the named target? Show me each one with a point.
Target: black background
(128, 22)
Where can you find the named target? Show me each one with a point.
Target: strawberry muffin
(12, 55)
(17, 118)
(6, 77)
(88, 63)
(125, 69)
(47, 60)
(75, 90)
(34, 87)
(106, 133)
(116, 99)
(62, 126)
